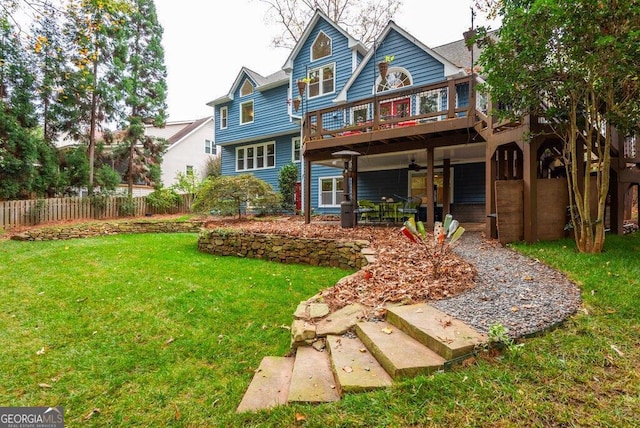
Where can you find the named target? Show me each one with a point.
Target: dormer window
(246, 89)
(321, 47)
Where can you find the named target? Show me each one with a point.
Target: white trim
(336, 203)
(393, 70)
(311, 58)
(321, 81)
(226, 117)
(293, 149)
(253, 109)
(352, 43)
(450, 69)
(255, 147)
(190, 133)
(244, 84)
(209, 145)
(364, 107)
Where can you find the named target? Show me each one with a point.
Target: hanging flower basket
(384, 69)
(302, 86)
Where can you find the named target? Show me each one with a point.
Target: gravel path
(524, 295)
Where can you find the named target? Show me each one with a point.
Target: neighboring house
(190, 145)
(419, 131)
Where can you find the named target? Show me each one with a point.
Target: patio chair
(410, 208)
(368, 210)
(391, 212)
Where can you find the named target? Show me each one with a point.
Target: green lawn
(153, 333)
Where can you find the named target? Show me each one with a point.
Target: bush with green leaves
(163, 200)
(186, 183)
(287, 179)
(234, 194)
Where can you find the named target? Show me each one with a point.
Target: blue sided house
(393, 131)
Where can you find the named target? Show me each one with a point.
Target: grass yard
(152, 333)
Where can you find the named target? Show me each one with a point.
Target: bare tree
(363, 19)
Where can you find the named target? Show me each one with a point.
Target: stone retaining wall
(284, 249)
(87, 230)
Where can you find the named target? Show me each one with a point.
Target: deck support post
(307, 191)
(530, 178)
(431, 203)
(446, 188)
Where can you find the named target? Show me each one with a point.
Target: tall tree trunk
(132, 146)
(92, 126)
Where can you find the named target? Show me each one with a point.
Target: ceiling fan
(413, 166)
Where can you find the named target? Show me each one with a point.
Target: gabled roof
(458, 53)
(352, 42)
(183, 133)
(261, 83)
(450, 69)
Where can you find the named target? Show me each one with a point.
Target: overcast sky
(207, 43)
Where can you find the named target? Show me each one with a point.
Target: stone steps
(398, 353)
(270, 385)
(312, 380)
(414, 340)
(445, 335)
(354, 367)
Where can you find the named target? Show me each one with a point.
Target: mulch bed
(402, 273)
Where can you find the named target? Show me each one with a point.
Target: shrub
(233, 193)
(163, 200)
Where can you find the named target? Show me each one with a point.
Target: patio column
(307, 191)
(431, 203)
(354, 188)
(446, 188)
(617, 191)
(530, 178)
(490, 192)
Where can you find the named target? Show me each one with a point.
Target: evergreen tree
(145, 89)
(18, 142)
(50, 68)
(89, 97)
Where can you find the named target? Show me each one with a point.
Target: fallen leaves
(40, 351)
(401, 272)
(386, 330)
(347, 369)
(617, 351)
(92, 413)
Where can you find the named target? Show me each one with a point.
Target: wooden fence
(36, 211)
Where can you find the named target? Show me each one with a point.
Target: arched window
(321, 47)
(396, 78)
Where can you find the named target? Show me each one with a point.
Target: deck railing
(444, 100)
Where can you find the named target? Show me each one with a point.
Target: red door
(298, 197)
(395, 109)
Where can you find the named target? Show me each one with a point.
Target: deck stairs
(413, 340)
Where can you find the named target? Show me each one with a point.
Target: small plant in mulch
(445, 236)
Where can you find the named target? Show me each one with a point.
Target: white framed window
(246, 88)
(396, 78)
(208, 147)
(321, 47)
(331, 190)
(295, 149)
(246, 112)
(360, 114)
(189, 170)
(322, 80)
(224, 117)
(256, 156)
